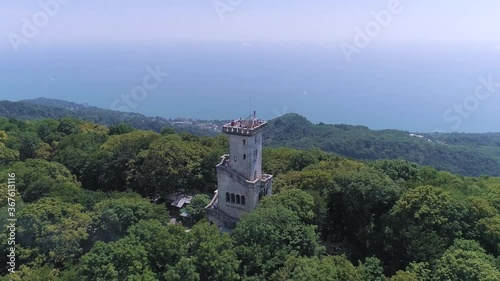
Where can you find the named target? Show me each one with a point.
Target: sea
(431, 86)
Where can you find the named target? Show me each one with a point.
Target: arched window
(242, 200)
(238, 199)
(244, 156)
(234, 158)
(244, 142)
(254, 175)
(232, 198)
(227, 197)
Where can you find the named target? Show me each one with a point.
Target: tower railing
(245, 127)
(214, 200)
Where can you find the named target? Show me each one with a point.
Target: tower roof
(247, 127)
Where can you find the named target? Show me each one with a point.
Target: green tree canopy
(112, 217)
(331, 268)
(166, 245)
(37, 178)
(213, 254)
(466, 260)
(169, 164)
(197, 206)
(267, 236)
(54, 228)
(125, 259)
(120, 129)
(296, 200)
(422, 224)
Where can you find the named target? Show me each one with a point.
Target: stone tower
(241, 183)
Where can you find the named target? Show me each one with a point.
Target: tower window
(234, 158)
(244, 142)
(243, 200)
(232, 198)
(254, 175)
(244, 156)
(227, 197)
(238, 199)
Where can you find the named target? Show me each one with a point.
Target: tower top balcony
(247, 127)
(242, 128)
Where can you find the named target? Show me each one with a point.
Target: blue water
(405, 86)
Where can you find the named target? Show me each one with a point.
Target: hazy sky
(412, 85)
(186, 20)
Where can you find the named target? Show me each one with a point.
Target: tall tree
(466, 260)
(213, 254)
(267, 236)
(422, 224)
(331, 268)
(54, 228)
(112, 217)
(170, 164)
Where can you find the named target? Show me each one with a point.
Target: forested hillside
(83, 213)
(51, 108)
(460, 153)
(465, 154)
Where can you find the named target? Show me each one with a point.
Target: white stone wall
(242, 176)
(227, 185)
(249, 165)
